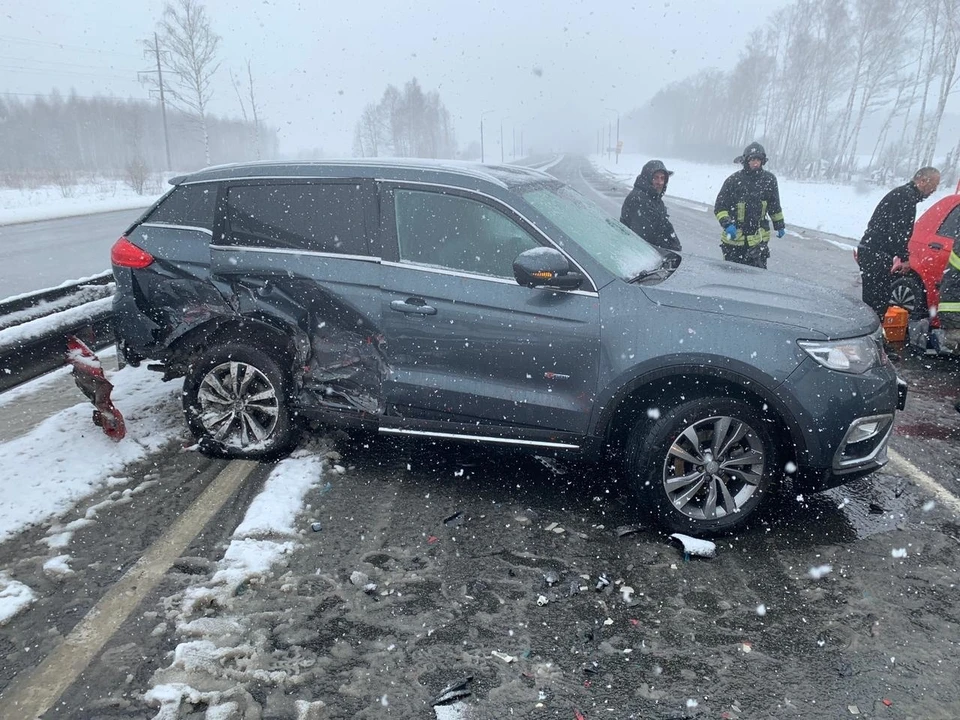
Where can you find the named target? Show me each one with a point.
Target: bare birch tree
(190, 53)
(947, 53)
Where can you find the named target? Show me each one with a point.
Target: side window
(950, 227)
(190, 205)
(315, 217)
(457, 233)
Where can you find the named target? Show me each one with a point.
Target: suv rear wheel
(704, 466)
(236, 401)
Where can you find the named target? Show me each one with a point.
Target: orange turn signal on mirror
(545, 274)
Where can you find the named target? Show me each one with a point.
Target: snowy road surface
(44, 254)
(362, 576)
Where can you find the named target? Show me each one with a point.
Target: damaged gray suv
(496, 305)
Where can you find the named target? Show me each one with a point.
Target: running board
(481, 438)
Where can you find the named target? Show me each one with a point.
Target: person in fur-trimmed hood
(644, 211)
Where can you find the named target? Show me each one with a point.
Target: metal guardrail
(34, 299)
(24, 359)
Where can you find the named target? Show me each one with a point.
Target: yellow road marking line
(905, 467)
(33, 693)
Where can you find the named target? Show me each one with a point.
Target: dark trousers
(877, 281)
(755, 256)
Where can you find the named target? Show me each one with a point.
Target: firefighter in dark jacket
(888, 235)
(644, 211)
(743, 204)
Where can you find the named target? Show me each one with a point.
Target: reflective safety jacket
(746, 199)
(949, 309)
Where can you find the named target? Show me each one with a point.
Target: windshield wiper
(661, 271)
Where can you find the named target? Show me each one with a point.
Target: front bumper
(846, 421)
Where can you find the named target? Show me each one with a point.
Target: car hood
(733, 290)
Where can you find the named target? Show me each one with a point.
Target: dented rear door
(302, 254)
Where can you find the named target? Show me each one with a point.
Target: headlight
(854, 355)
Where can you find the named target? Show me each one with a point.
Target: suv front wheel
(704, 466)
(236, 401)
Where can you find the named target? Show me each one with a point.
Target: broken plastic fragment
(454, 691)
(695, 546)
(503, 656)
(627, 593)
(550, 577)
(819, 571)
(624, 530)
(316, 527)
(602, 581)
(542, 600)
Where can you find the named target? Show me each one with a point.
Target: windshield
(604, 238)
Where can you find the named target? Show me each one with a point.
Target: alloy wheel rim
(904, 297)
(713, 468)
(239, 406)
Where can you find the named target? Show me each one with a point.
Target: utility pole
(163, 103)
(501, 140)
(513, 130)
(482, 156)
(617, 147)
(521, 142)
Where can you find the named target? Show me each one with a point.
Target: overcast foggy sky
(316, 64)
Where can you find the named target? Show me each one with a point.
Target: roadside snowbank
(86, 198)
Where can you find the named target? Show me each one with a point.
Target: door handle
(413, 306)
(935, 246)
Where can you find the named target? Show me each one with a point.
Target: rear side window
(190, 205)
(950, 227)
(317, 217)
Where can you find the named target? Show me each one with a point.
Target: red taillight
(125, 254)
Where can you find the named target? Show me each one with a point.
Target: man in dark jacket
(743, 204)
(644, 212)
(888, 234)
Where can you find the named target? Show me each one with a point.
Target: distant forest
(55, 134)
(811, 80)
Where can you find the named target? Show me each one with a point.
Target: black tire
(907, 291)
(721, 491)
(248, 416)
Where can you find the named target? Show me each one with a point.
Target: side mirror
(545, 267)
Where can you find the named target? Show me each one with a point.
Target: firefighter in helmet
(747, 199)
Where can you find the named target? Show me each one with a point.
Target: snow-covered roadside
(47, 202)
(66, 457)
(829, 207)
(217, 654)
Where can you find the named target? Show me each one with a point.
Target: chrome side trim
(294, 251)
(474, 276)
(177, 227)
(480, 438)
